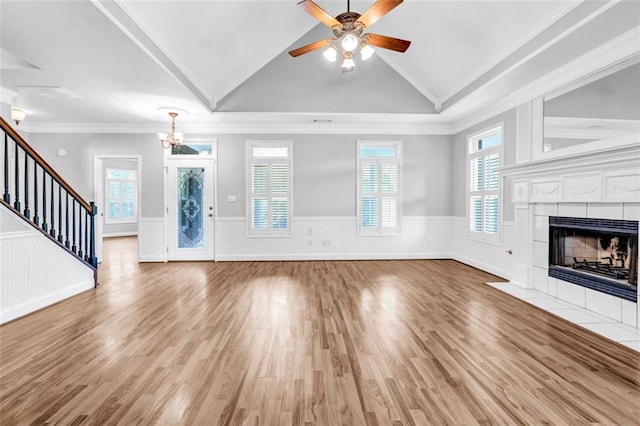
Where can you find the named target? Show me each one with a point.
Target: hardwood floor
(325, 343)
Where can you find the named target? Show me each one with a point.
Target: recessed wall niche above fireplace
(600, 254)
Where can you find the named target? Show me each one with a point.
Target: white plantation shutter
(484, 183)
(270, 188)
(491, 176)
(475, 213)
(475, 174)
(491, 214)
(378, 194)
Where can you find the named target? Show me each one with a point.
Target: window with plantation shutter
(378, 188)
(269, 188)
(484, 160)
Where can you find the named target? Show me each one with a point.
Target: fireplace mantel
(608, 174)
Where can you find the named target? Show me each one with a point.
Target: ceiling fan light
(348, 64)
(366, 52)
(350, 42)
(330, 54)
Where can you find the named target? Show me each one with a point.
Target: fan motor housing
(348, 22)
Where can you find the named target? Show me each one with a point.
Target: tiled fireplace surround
(604, 304)
(599, 180)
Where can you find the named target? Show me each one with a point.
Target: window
(269, 181)
(121, 196)
(192, 149)
(484, 160)
(379, 188)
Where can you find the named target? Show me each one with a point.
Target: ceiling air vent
(48, 92)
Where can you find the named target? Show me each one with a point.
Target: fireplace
(600, 254)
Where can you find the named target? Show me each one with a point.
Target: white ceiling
(126, 58)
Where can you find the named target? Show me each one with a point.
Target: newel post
(92, 246)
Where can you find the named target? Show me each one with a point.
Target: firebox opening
(601, 254)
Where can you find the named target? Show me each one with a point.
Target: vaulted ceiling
(104, 65)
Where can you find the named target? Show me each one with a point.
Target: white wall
(335, 238)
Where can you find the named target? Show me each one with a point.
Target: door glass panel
(190, 208)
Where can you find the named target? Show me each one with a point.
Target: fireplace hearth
(601, 254)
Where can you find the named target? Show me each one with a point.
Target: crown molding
(273, 123)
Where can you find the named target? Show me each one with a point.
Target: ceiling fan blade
(310, 47)
(377, 11)
(385, 42)
(319, 13)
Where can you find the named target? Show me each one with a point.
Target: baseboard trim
(330, 256)
(43, 302)
(484, 266)
(143, 259)
(120, 234)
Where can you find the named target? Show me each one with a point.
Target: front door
(190, 209)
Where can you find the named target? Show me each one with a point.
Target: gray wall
(324, 174)
(459, 163)
(318, 86)
(324, 178)
(77, 167)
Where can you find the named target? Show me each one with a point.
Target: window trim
(482, 236)
(269, 232)
(108, 220)
(398, 161)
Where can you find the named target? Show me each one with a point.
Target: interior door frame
(98, 194)
(184, 160)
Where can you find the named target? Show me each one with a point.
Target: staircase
(47, 232)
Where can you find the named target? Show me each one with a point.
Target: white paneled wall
(35, 272)
(151, 241)
(490, 257)
(335, 238)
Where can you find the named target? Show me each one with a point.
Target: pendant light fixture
(174, 139)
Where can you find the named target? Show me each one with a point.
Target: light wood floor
(325, 343)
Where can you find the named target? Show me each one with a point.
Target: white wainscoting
(491, 257)
(334, 238)
(152, 246)
(35, 272)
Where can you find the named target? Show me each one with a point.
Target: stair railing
(36, 192)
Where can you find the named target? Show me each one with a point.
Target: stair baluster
(36, 219)
(16, 203)
(38, 208)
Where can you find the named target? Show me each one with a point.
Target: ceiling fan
(348, 28)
